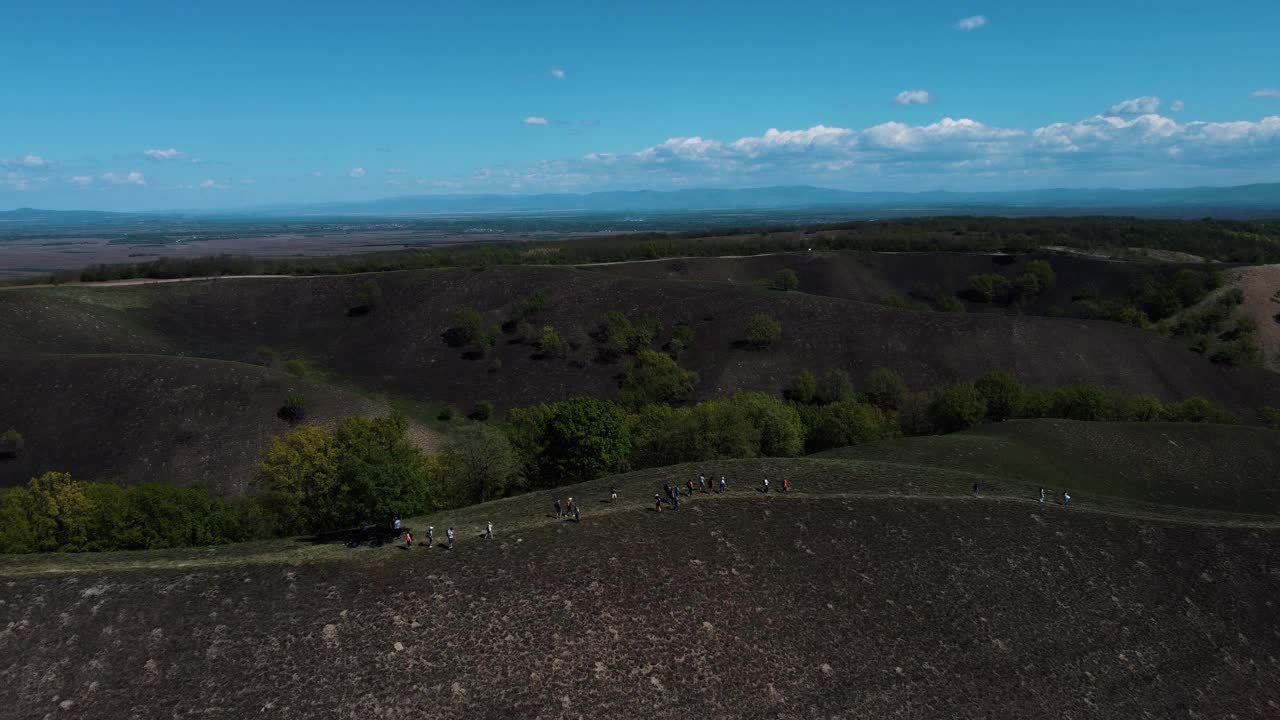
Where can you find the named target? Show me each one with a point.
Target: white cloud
(1177, 106)
(912, 97)
(27, 162)
(1270, 93)
(133, 178)
(972, 22)
(316, 173)
(15, 181)
(535, 120)
(164, 155)
(356, 172)
(395, 171)
(81, 180)
(557, 73)
(1137, 106)
(212, 185)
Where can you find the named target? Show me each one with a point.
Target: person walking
(431, 535)
(976, 488)
(488, 530)
(1041, 495)
(1066, 498)
(786, 484)
(702, 483)
(568, 509)
(722, 485)
(657, 502)
(613, 494)
(675, 501)
(396, 525)
(408, 540)
(449, 535)
(766, 484)
(577, 514)
(557, 507)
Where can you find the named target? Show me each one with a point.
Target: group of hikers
(431, 534)
(570, 510)
(1066, 496)
(670, 494)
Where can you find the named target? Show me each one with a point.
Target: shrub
(682, 336)
(845, 423)
(763, 331)
(445, 414)
(1036, 278)
(834, 386)
(914, 417)
(527, 333)
(569, 441)
(621, 337)
(802, 389)
(470, 330)
(371, 294)
(479, 464)
(656, 378)
(947, 303)
(294, 408)
(268, 356)
(1198, 410)
(956, 407)
(297, 368)
(885, 389)
(482, 411)
(529, 307)
(1002, 393)
(1142, 408)
(989, 287)
(11, 443)
(786, 279)
(549, 342)
(743, 425)
(1080, 402)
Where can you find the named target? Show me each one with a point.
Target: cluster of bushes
(56, 513)
(1036, 277)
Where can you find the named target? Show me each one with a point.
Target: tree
(885, 389)
(803, 388)
(371, 294)
(834, 386)
(989, 287)
(656, 378)
(586, 439)
(479, 464)
(11, 443)
(1080, 402)
(763, 331)
(549, 342)
(1143, 408)
(297, 368)
(744, 425)
(914, 417)
(298, 480)
(1036, 278)
(786, 279)
(956, 407)
(845, 423)
(1002, 393)
(1199, 410)
(682, 336)
(527, 333)
(482, 411)
(381, 475)
(60, 510)
(470, 330)
(294, 408)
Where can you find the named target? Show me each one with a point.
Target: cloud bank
(971, 23)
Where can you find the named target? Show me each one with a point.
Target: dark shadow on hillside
(360, 311)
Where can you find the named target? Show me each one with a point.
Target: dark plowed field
(741, 608)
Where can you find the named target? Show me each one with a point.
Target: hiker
(675, 501)
(1066, 499)
(976, 487)
(449, 534)
(613, 494)
(786, 484)
(557, 507)
(690, 484)
(702, 482)
(408, 539)
(577, 514)
(1041, 494)
(766, 484)
(568, 509)
(722, 486)
(431, 535)
(396, 525)
(657, 502)
(488, 530)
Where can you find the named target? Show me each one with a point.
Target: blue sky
(141, 105)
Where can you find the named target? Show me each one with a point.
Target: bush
(845, 423)
(682, 337)
(1198, 410)
(947, 303)
(529, 307)
(482, 411)
(621, 337)
(763, 331)
(445, 414)
(802, 389)
(914, 417)
(885, 389)
(569, 441)
(656, 378)
(1080, 402)
(294, 408)
(956, 407)
(786, 279)
(1002, 393)
(470, 330)
(268, 356)
(990, 288)
(743, 425)
(371, 294)
(479, 464)
(1036, 278)
(297, 368)
(1142, 408)
(549, 342)
(11, 443)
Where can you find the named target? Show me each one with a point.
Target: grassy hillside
(734, 607)
(1214, 467)
(139, 418)
(399, 348)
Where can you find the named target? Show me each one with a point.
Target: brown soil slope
(399, 348)
(140, 418)
(733, 608)
(1260, 285)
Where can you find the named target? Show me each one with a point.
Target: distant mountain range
(1259, 200)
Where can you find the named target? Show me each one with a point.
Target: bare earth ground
(744, 606)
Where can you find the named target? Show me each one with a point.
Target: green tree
(17, 526)
(914, 417)
(956, 407)
(1199, 410)
(381, 475)
(1002, 393)
(1036, 278)
(786, 279)
(549, 342)
(682, 336)
(803, 388)
(1080, 402)
(371, 294)
(479, 464)
(834, 386)
(298, 480)
(885, 389)
(845, 423)
(294, 408)
(527, 429)
(656, 378)
(1143, 408)
(60, 512)
(297, 368)
(586, 439)
(780, 429)
(763, 331)
(990, 288)
(471, 330)
(482, 411)
(11, 443)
